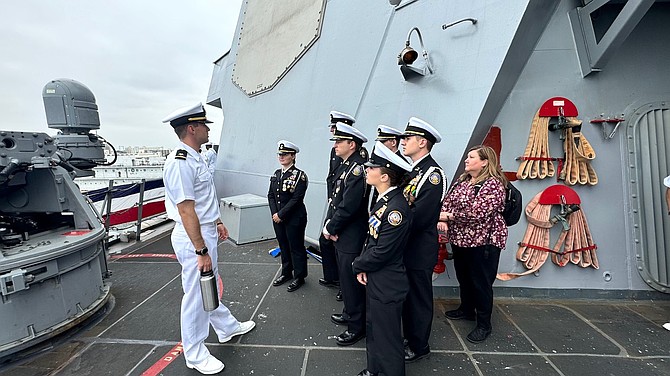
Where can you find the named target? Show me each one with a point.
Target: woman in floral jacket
(472, 217)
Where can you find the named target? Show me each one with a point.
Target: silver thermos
(210, 296)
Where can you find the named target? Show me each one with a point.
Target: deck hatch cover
(273, 37)
(648, 143)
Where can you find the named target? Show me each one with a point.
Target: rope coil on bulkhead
(536, 162)
(574, 168)
(576, 242)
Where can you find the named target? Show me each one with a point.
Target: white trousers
(195, 320)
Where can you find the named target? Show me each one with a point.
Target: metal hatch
(648, 141)
(273, 38)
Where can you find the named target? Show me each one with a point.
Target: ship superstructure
(478, 64)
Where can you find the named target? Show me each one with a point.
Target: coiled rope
(536, 162)
(576, 242)
(575, 168)
(578, 155)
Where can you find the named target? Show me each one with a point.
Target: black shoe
(339, 296)
(457, 314)
(338, 319)
(365, 372)
(348, 338)
(281, 280)
(324, 282)
(295, 284)
(411, 356)
(478, 335)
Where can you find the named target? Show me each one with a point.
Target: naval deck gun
(52, 241)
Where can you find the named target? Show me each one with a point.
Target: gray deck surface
(295, 337)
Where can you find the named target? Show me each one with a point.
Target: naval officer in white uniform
(190, 200)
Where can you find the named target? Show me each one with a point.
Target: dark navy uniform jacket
(424, 192)
(389, 226)
(347, 208)
(287, 193)
(335, 163)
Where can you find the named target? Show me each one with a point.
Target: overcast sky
(141, 59)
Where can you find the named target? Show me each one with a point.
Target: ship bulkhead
(480, 64)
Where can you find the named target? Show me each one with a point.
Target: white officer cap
(187, 115)
(384, 132)
(347, 132)
(284, 146)
(383, 157)
(666, 181)
(418, 127)
(337, 116)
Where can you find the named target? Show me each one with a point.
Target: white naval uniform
(210, 155)
(190, 179)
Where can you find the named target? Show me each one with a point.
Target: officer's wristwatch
(201, 252)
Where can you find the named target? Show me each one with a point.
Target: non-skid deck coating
(295, 337)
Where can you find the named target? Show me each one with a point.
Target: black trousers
(328, 260)
(417, 313)
(476, 269)
(352, 292)
(291, 238)
(385, 352)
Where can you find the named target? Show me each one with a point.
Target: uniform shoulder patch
(181, 154)
(358, 170)
(435, 178)
(394, 218)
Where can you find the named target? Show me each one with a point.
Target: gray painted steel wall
(498, 71)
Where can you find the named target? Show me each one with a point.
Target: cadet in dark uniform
(289, 216)
(380, 266)
(346, 226)
(331, 277)
(389, 137)
(424, 193)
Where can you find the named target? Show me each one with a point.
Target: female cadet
(472, 216)
(289, 216)
(380, 266)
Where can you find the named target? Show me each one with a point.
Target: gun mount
(52, 250)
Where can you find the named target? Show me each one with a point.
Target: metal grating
(648, 141)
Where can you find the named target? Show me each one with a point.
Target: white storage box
(247, 218)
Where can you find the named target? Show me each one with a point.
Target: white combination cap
(337, 116)
(185, 115)
(284, 146)
(418, 127)
(384, 132)
(347, 132)
(383, 157)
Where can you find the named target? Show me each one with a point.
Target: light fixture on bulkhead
(408, 56)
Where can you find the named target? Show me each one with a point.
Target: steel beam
(594, 55)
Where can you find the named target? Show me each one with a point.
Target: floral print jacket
(477, 215)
